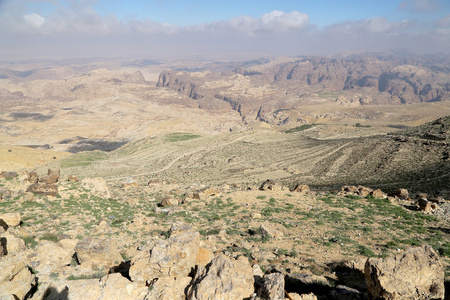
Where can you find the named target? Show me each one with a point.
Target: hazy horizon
(174, 28)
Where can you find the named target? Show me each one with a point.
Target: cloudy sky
(176, 28)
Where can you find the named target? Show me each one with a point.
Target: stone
(15, 278)
(129, 182)
(115, 286)
(400, 193)
(424, 205)
(309, 296)
(349, 189)
(32, 177)
(51, 178)
(271, 185)
(363, 191)
(97, 186)
(97, 252)
(28, 196)
(223, 278)
(301, 188)
(10, 220)
(169, 201)
(12, 244)
(269, 232)
(168, 288)
(43, 189)
(378, 194)
(50, 254)
(175, 257)
(72, 178)
(273, 287)
(416, 273)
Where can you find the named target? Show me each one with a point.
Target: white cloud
(444, 22)
(34, 20)
(419, 5)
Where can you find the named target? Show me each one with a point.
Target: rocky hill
(358, 80)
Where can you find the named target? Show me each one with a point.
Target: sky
(155, 29)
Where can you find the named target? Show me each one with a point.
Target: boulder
(416, 273)
(309, 296)
(269, 232)
(425, 205)
(97, 252)
(273, 287)
(169, 201)
(401, 194)
(8, 175)
(130, 182)
(349, 189)
(342, 292)
(204, 257)
(72, 178)
(169, 288)
(43, 189)
(223, 278)
(16, 279)
(271, 185)
(175, 257)
(378, 194)
(301, 188)
(32, 177)
(12, 244)
(363, 191)
(51, 178)
(10, 220)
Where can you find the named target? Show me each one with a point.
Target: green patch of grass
(82, 159)
(98, 274)
(262, 197)
(363, 250)
(30, 242)
(180, 136)
(300, 128)
(49, 237)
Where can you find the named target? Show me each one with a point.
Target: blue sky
(283, 27)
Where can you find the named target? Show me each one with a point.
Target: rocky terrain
(71, 238)
(276, 178)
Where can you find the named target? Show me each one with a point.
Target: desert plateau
(272, 178)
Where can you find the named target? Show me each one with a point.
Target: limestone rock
(12, 244)
(271, 185)
(100, 252)
(43, 189)
(32, 177)
(273, 286)
(130, 182)
(115, 286)
(363, 191)
(301, 188)
(175, 256)
(400, 193)
(416, 273)
(8, 175)
(342, 292)
(15, 278)
(270, 232)
(224, 279)
(51, 178)
(378, 194)
(169, 201)
(169, 288)
(309, 296)
(98, 187)
(72, 178)
(10, 220)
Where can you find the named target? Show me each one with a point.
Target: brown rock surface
(98, 253)
(416, 273)
(223, 278)
(10, 220)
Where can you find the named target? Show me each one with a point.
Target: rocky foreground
(92, 239)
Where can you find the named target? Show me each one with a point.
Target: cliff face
(384, 79)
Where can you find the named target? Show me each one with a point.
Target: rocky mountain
(359, 80)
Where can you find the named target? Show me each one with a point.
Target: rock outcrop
(416, 273)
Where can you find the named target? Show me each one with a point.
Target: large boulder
(10, 220)
(416, 273)
(51, 178)
(16, 280)
(43, 189)
(273, 286)
(11, 243)
(173, 257)
(224, 279)
(97, 252)
(172, 288)
(271, 185)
